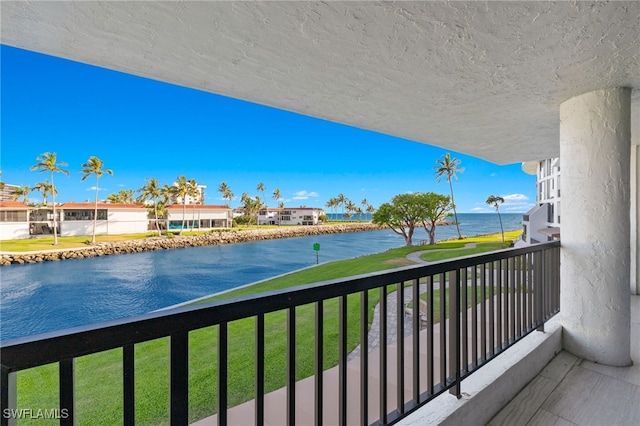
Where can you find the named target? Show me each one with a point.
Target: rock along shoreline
(165, 243)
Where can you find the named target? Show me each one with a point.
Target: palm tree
(260, 188)
(371, 209)
(47, 162)
(226, 192)
(495, 201)
(21, 191)
(276, 196)
(45, 189)
(449, 167)
(332, 204)
(182, 189)
(196, 194)
(94, 166)
(364, 203)
(152, 191)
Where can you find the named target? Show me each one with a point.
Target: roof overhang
(482, 78)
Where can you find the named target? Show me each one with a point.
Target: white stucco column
(595, 144)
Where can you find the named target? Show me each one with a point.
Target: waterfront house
(504, 81)
(77, 219)
(14, 220)
(290, 216)
(198, 216)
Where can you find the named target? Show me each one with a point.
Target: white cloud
(515, 197)
(304, 195)
(479, 210)
(93, 188)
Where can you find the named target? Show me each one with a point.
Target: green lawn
(99, 376)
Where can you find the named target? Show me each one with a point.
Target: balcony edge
(486, 392)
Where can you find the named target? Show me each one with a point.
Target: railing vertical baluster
(520, 299)
(499, 308)
(342, 361)
(483, 311)
(179, 377)
(259, 414)
(442, 285)
(67, 391)
(454, 331)
(319, 363)
(538, 290)
(474, 315)
(417, 314)
(530, 290)
(364, 358)
(400, 346)
(383, 354)
(492, 308)
(291, 366)
(430, 325)
(128, 384)
(504, 266)
(512, 297)
(223, 343)
(463, 321)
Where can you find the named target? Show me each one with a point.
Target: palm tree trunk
(184, 214)
(501, 228)
(95, 214)
(455, 213)
(155, 210)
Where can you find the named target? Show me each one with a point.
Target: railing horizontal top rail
(30, 351)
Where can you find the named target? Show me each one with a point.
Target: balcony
(474, 309)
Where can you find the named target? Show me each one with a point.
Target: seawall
(165, 243)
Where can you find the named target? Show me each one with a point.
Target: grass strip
(99, 376)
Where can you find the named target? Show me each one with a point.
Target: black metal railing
(473, 308)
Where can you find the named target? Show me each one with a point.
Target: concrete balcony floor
(572, 391)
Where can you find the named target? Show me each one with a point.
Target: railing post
(454, 333)
(67, 391)
(319, 329)
(8, 397)
(128, 384)
(259, 407)
(179, 378)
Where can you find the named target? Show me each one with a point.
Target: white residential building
(77, 219)
(199, 199)
(198, 216)
(542, 222)
(14, 220)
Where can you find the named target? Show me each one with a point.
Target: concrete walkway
(415, 256)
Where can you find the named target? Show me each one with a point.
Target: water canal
(53, 295)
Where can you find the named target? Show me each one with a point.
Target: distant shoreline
(182, 241)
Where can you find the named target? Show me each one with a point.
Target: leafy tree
(45, 188)
(48, 162)
(402, 215)
(495, 201)
(94, 166)
(152, 191)
(21, 191)
(436, 209)
(449, 167)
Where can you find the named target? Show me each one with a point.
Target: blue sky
(143, 128)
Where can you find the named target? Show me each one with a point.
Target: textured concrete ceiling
(481, 78)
